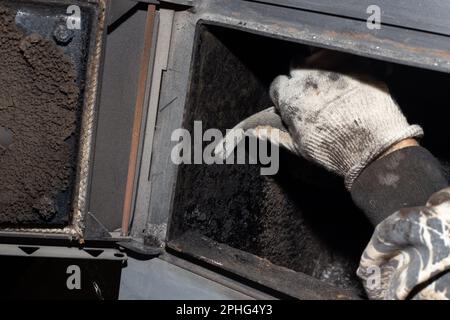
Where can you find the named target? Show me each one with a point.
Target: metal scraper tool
(259, 125)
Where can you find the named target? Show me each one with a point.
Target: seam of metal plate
(433, 16)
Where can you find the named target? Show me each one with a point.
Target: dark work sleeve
(404, 178)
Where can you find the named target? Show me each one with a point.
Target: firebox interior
(302, 218)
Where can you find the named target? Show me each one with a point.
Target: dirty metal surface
(121, 65)
(47, 20)
(281, 218)
(39, 273)
(258, 270)
(394, 44)
(390, 43)
(430, 16)
(39, 106)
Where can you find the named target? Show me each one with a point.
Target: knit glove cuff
(378, 145)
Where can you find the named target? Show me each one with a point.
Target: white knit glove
(339, 121)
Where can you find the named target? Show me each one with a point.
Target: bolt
(62, 34)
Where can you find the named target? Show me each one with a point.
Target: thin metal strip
(61, 252)
(139, 110)
(160, 67)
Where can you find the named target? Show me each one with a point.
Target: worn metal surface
(431, 16)
(142, 93)
(273, 217)
(256, 269)
(95, 11)
(40, 273)
(119, 89)
(140, 249)
(391, 43)
(157, 279)
(61, 252)
(118, 8)
(140, 207)
(204, 271)
(159, 68)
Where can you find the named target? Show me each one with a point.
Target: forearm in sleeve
(404, 178)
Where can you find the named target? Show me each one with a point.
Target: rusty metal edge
(256, 269)
(137, 122)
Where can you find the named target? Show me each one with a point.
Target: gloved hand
(338, 120)
(410, 253)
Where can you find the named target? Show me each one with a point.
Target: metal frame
(432, 16)
(317, 25)
(42, 272)
(393, 44)
(409, 37)
(61, 252)
(322, 23)
(75, 229)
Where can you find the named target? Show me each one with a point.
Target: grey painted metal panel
(157, 280)
(121, 72)
(118, 8)
(165, 21)
(430, 15)
(170, 115)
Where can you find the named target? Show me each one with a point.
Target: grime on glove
(340, 121)
(408, 256)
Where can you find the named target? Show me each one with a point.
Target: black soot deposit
(302, 218)
(38, 117)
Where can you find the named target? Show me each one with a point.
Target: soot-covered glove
(331, 112)
(338, 120)
(410, 253)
